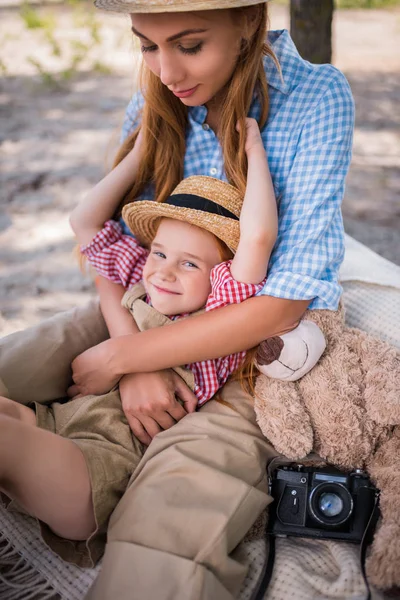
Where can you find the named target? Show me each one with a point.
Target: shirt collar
(287, 55)
(282, 44)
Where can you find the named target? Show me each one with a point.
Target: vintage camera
(321, 503)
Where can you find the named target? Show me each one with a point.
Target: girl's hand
(253, 136)
(150, 402)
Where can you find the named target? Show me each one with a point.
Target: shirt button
(206, 126)
(213, 171)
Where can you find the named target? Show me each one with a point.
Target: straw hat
(199, 200)
(161, 6)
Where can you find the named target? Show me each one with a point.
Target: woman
(201, 483)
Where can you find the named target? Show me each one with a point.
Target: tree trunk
(311, 28)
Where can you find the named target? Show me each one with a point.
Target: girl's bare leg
(45, 473)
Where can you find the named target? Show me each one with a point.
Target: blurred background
(67, 74)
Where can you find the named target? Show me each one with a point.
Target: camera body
(321, 503)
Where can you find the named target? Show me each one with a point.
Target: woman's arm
(100, 204)
(207, 336)
(259, 215)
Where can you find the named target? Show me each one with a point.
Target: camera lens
(330, 503)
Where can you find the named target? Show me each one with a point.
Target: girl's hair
(164, 117)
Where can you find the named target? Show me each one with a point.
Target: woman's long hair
(164, 117)
(164, 121)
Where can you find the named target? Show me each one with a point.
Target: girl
(189, 234)
(204, 477)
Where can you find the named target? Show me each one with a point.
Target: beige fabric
(146, 317)
(35, 363)
(97, 424)
(206, 479)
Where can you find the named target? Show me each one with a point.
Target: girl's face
(194, 53)
(176, 275)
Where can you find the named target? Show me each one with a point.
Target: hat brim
(158, 6)
(142, 218)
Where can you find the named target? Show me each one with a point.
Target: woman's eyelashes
(191, 50)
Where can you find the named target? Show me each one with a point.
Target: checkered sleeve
(226, 290)
(310, 244)
(132, 115)
(116, 256)
(211, 375)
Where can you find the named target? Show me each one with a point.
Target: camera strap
(367, 539)
(267, 571)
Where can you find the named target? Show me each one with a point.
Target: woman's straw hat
(162, 6)
(199, 200)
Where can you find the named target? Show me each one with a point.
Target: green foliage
(3, 68)
(77, 51)
(54, 45)
(48, 78)
(33, 19)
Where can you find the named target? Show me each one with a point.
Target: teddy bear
(347, 410)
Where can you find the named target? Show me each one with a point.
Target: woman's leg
(45, 473)
(195, 494)
(35, 364)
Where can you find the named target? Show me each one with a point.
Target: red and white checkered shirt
(121, 259)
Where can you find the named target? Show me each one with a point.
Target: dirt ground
(57, 141)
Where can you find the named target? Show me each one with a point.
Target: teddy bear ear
(292, 355)
(269, 350)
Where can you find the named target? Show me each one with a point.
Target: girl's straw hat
(161, 6)
(199, 200)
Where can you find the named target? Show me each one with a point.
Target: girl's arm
(259, 215)
(100, 204)
(118, 319)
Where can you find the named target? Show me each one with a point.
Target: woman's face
(194, 54)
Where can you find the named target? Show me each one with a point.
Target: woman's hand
(150, 402)
(92, 372)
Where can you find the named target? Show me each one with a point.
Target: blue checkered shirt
(308, 139)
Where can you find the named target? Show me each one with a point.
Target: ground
(57, 140)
